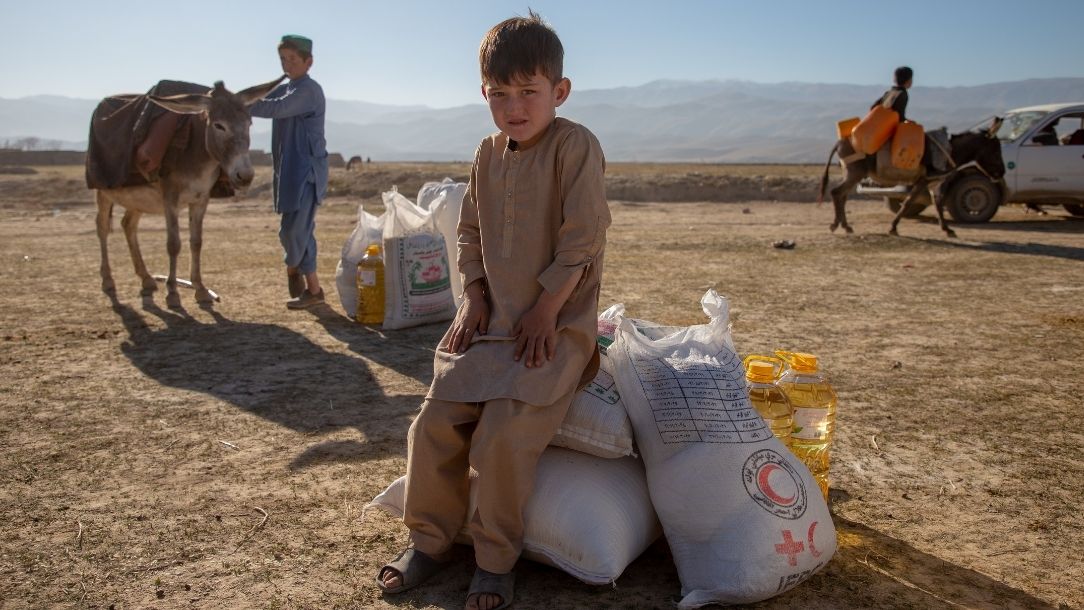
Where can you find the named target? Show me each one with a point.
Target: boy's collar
(514, 146)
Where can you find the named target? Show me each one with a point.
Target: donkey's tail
(824, 178)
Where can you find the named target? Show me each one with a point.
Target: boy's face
(293, 65)
(523, 109)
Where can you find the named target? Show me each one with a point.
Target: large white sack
(431, 191)
(588, 516)
(596, 422)
(744, 518)
(367, 231)
(445, 200)
(417, 277)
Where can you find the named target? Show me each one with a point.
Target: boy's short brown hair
(517, 48)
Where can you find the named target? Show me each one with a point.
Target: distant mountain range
(666, 120)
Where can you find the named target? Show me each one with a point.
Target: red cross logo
(790, 548)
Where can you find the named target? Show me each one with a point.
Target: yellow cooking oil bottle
(371, 286)
(767, 397)
(814, 411)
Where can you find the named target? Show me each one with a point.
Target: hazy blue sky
(424, 52)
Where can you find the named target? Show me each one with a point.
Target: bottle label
(367, 277)
(810, 424)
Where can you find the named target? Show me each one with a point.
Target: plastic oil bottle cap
(373, 250)
(801, 362)
(760, 371)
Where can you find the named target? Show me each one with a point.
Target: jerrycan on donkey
(876, 128)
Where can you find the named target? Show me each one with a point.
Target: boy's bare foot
(484, 601)
(410, 569)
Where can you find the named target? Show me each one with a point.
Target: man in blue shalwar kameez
(299, 151)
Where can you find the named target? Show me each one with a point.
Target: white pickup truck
(1043, 149)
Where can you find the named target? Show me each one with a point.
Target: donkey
(967, 148)
(219, 143)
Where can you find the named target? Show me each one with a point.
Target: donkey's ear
(995, 125)
(189, 103)
(254, 94)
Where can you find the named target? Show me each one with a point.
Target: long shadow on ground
(273, 372)
(408, 351)
(870, 570)
(1049, 224)
(1029, 248)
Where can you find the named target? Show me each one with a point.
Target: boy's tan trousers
(503, 440)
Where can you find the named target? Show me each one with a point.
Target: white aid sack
(367, 231)
(596, 422)
(588, 516)
(444, 200)
(432, 191)
(417, 277)
(744, 518)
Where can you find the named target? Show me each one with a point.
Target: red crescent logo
(765, 486)
(809, 535)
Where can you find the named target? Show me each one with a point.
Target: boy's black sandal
(414, 568)
(501, 585)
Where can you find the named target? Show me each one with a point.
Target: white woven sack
(588, 516)
(431, 191)
(744, 518)
(367, 231)
(596, 422)
(417, 278)
(445, 200)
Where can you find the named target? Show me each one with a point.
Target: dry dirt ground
(220, 457)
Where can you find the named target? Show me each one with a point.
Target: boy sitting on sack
(531, 236)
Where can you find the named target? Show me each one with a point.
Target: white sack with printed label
(445, 200)
(587, 516)
(596, 422)
(417, 277)
(743, 516)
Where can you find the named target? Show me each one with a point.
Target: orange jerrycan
(846, 126)
(908, 145)
(874, 130)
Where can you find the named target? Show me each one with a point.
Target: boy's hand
(472, 316)
(536, 331)
(536, 336)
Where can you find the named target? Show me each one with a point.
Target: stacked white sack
(743, 516)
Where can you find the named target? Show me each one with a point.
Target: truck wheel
(973, 199)
(1076, 209)
(913, 209)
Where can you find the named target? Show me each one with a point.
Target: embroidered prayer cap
(302, 43)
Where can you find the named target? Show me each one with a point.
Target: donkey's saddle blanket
(124, 124)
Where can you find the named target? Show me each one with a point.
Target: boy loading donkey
(531, 237)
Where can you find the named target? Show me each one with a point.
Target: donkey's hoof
(848, 229)
(832, 227)
(204, 296)
(950, 233)
(149, 286)
(173, 300)
(892, 231)
(108, 286)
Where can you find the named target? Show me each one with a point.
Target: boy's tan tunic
(530, 220)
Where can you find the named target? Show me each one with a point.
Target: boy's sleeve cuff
(564, 266)
(471, 270)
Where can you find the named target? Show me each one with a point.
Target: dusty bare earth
(220, 457)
